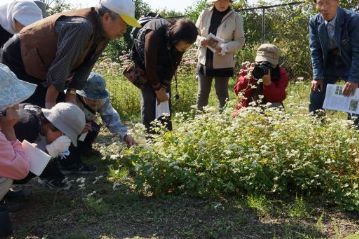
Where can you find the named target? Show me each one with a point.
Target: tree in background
(56, 6)
(119, 47)
(193, 12)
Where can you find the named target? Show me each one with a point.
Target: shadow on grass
(122, 214)
(94, 208)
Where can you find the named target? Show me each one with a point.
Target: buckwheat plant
(263, 151)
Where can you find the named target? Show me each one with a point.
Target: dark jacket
(347, 39)
(159, 58)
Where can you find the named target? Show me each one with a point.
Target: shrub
(263, 152)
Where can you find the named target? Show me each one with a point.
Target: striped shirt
(74, 34)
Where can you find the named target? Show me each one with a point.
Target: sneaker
(79, 169)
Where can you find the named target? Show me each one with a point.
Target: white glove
(60, 145)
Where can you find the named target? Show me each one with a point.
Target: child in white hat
(53, 131)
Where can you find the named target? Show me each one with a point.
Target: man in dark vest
(59, 52)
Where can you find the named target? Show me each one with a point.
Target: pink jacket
(14, 163)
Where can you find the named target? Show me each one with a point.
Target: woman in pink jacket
(14, 163)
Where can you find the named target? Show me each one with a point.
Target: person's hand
(51, 97)
(129, 140)
(88, 127)
(8, 121)
(219, 50)
(49, 104)
(71, 97)
(204, 43)
(161, 95)
(349, 88)
(60, 145)
(317, 85)
(267, 78)
(11, 118)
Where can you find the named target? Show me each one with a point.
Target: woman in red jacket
(263, 81)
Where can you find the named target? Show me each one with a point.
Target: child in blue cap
(94, 100)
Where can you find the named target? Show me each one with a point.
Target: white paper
(214, 42)
(82, 136)
(335, 100)
(38, 158)
(163, 108)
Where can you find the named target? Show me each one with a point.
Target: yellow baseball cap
(124, 8)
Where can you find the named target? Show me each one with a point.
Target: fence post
(263, 25)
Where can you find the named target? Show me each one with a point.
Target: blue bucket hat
(13, 90)
(95, 88)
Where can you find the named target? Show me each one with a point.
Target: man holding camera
(334, 46)
(263, 81)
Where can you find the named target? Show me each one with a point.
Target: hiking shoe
(79, 169)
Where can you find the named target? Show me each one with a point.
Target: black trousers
(148, 109)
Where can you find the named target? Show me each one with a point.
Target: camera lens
(258, 72)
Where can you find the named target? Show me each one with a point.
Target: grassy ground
(96, 207)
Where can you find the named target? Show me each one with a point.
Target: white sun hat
(68, 118)
(13, 90)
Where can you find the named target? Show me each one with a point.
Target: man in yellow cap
(59, 52)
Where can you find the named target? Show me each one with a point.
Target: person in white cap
(53, 131)
(59, 52)
(14, 163)
(16, 15)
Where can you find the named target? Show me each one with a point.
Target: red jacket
(274, 92)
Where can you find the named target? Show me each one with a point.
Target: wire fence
(285, 25)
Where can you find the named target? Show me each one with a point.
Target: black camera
(261, 69)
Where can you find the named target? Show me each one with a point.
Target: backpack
(143, 20)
